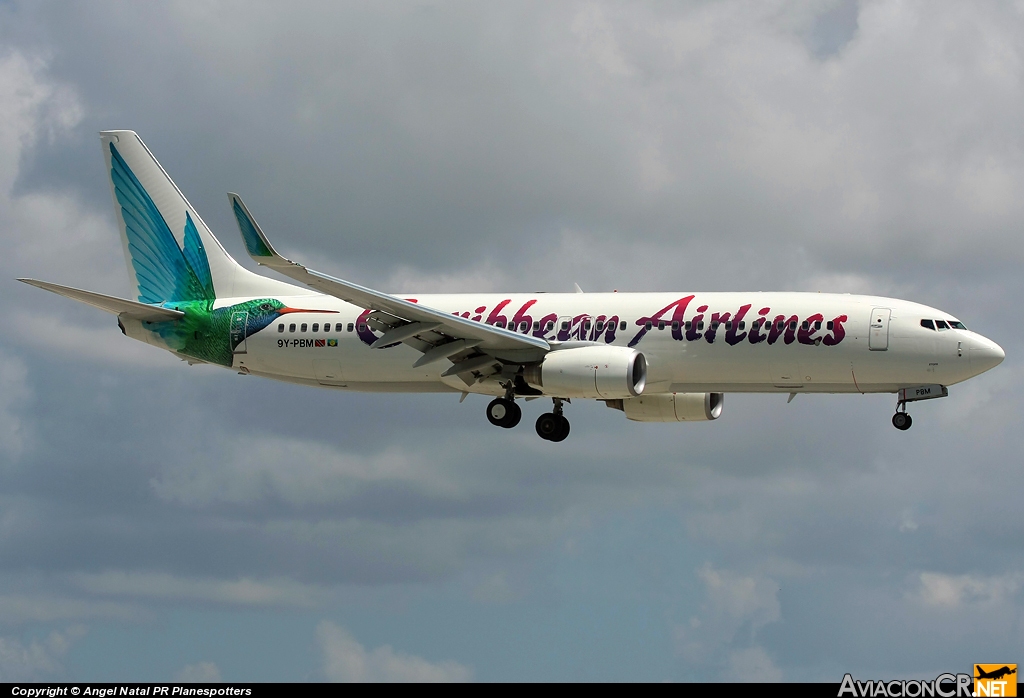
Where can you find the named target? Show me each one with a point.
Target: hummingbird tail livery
(658, 357)
(171, 253)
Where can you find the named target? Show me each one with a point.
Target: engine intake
(674, 407)
(601, 372)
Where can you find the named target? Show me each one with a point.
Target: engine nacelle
(601, 372)
(674, 407)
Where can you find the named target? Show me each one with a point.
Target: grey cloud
(454, 147)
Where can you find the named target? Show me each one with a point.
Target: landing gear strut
(503, 411)
(553, 426)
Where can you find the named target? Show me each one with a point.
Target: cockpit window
(928, 324)
(957, 325)
(941, 324)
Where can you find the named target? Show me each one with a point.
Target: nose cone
(985, 354)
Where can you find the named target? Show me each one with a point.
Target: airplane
(657, 357)
(995, 674)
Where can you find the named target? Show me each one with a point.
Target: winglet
(256, 243)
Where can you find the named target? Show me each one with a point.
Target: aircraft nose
(985, 355)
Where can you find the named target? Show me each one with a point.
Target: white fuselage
(697, 342)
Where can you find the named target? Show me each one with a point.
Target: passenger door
(878, 329)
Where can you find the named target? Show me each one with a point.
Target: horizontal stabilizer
(111, 304)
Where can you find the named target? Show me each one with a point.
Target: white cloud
(47, 234)
(36, 659)
(752, 665)
(735, 596)
(200, 672)
(166, 587)
(735, 608)
(952, 591)
(345, 660)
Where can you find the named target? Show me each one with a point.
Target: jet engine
(674, 407)
(601, 372)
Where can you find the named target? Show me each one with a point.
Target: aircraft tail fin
(171, 253)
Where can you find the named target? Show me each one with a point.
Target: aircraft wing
(408, 321)
(111, 304)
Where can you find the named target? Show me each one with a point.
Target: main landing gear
(505, 413)
(553, 426)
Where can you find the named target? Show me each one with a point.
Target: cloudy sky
(160, 521)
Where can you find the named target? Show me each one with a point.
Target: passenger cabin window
(957, 325)
(700, 325)
(362, 327)
(316, 326)
(805, 325)
(600, 325)
(941, 324)
(622, 326)
(304, 326)
(817, 324)
(523, 325)
(829, 325)
(647, 325)
(743, 325)
(280, 327)
(565, 326)
(351, 326)
(661, 324)
(728, 325)
(536, 326)
(928, 324)
(338, 327)
(550, 326)
(687, 324)
(792, 325)
(291, 327)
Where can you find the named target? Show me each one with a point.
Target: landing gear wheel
(548, 426)
(902, 421)
(503, 413)
(563, 430)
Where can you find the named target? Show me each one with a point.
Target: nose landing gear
(902, 420)
(553, 426)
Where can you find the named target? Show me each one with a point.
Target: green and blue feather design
(180, 278)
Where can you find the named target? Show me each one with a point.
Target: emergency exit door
(878, 331)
